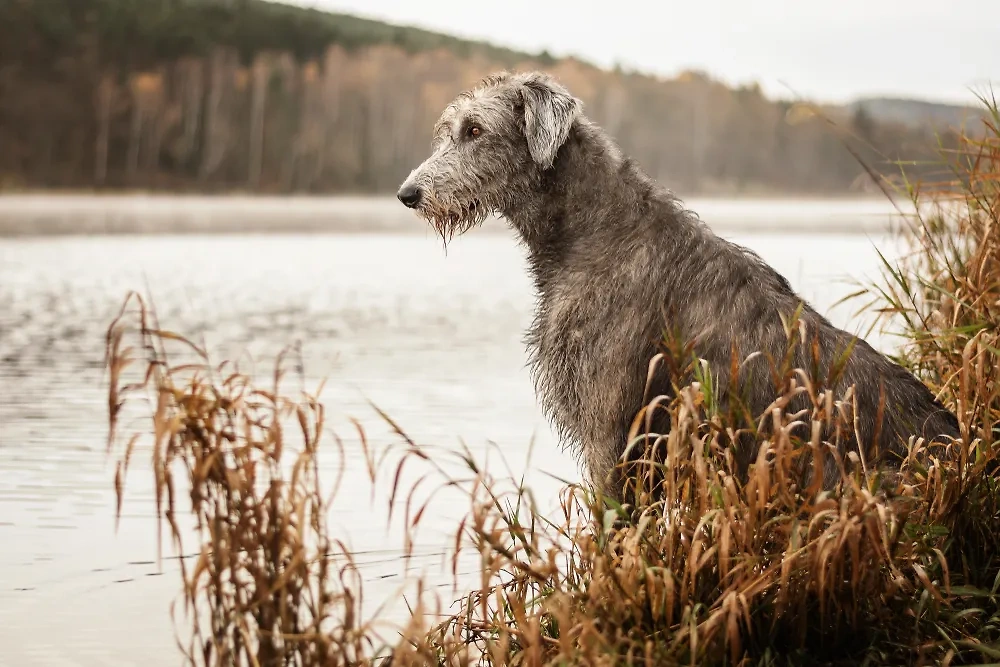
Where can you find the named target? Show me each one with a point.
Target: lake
(384, 315)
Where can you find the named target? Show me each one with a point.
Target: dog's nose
(410, 195)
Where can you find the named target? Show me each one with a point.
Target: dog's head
(489, 146)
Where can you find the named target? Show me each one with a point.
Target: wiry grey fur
(616, 260)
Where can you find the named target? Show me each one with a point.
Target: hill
(915, 112)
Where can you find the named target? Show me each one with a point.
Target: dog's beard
(451, 217)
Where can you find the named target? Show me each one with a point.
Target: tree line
(217, 95)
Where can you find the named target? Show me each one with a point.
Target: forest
(255, 96)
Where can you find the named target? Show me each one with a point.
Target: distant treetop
(149, 31)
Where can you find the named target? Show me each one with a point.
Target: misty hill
(915, 112)
(248, 95)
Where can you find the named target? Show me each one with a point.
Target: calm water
(433, 339)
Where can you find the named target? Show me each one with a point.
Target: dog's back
(604, 309)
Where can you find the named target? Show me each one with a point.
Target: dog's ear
(549, 113)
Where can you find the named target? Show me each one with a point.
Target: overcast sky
(829, 51)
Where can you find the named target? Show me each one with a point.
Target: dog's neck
(580, 205)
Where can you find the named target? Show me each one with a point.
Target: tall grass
(702, 566)
(270, 585)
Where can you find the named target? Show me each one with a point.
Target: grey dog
(617, 260)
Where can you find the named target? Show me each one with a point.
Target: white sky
(824, 50)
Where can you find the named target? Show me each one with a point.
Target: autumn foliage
(222, 95)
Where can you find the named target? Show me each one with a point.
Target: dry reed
(704, 565)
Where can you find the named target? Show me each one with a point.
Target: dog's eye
(473, 132)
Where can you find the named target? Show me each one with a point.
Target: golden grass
(711, 568)
(270, 585)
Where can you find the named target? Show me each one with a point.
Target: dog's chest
(584, 341)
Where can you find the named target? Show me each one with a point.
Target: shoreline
(69, 214)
